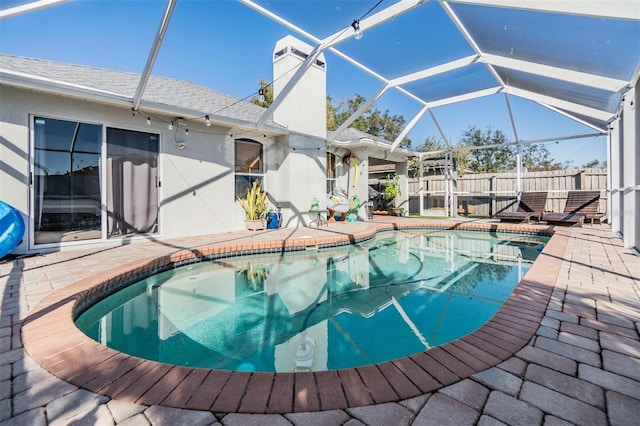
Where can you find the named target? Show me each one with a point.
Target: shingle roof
(351, 134)
(160, 91)
(170, 92)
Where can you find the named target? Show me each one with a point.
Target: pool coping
(51, 338)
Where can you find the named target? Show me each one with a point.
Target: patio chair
(531, 205)
(580, 206)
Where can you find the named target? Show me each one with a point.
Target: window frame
(244, 179)
(330, 165)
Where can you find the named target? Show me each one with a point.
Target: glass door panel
(66, 181)
(132, 182)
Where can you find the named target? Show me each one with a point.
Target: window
(330, 164)
(249, 165)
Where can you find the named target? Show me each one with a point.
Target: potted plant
(254, 207)
(391, 191)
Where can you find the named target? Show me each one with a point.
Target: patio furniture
(317, 218)
(531, 205)
(580, 206)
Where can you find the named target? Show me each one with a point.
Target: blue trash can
(273, 221)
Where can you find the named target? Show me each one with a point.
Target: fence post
(492, 199)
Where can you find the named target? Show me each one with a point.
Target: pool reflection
(392, 296)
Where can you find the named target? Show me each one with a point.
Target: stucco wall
(300, 177)
(197, 193)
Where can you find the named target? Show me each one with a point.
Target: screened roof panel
(320, 18)
(593, 121)
(607, 47)
(573, 92)
(453, 83)
(546, 55)
(392, 51)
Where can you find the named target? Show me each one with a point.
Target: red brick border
(50, 337)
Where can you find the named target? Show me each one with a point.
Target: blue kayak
(11, 228)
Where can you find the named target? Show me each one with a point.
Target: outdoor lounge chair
(531, 205)
(580, 206)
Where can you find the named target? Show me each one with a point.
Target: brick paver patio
(564, 352)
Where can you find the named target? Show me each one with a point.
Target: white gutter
(28, 81)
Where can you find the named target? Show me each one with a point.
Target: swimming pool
(391, 296)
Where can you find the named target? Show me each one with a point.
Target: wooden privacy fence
(489, 193)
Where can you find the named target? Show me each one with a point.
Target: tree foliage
(372, 121)
(267, 94)
(488, 160)
(459, 152)
(594, 163)
(501, 156)
(498, 155)
(537, 158)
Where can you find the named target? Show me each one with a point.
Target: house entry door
(132, 182)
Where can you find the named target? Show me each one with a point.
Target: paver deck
(564, 349)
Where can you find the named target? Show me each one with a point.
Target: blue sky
(226, 46)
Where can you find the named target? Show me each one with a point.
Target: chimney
(305, 108)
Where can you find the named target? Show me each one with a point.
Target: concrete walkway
(582, 367)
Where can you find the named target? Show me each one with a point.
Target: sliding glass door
(132, 182)
(66, 181)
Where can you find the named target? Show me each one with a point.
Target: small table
(317, 218)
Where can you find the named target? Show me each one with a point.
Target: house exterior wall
(197, 192)
(300, 177)
(361, 178)
(347, 174)
(403, 199)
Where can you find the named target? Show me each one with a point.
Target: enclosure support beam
(157, 42)
(630, 147)
(365, 106)
(421, 185)
(444, 138)
(466, 97)
(574, 118)
(29, 7)
(396, 9)
(408, 128)
(586, 79)
(519, 149)
(559, 103)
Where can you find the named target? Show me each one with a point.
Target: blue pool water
(392, 296)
